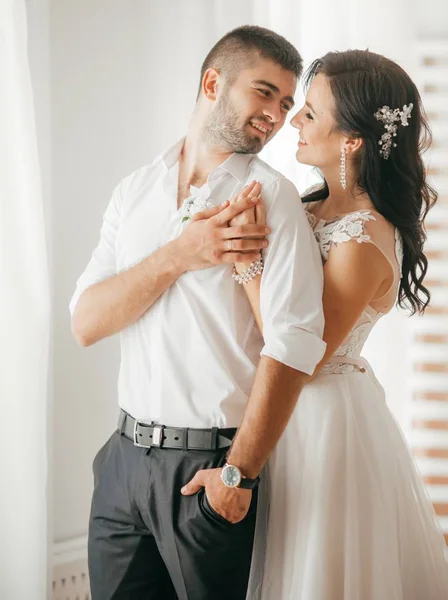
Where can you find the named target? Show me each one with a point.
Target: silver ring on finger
(229, 245)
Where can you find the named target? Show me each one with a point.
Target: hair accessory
(390, 118)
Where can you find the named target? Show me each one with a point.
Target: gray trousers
(148, 542)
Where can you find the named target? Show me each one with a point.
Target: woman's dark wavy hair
(362, 82)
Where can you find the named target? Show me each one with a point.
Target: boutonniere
(192, 205)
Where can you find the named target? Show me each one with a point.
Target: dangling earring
(343, 170)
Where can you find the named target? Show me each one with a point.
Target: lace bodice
(364, 226)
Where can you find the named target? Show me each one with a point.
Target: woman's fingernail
(267, 230)
(184, 490)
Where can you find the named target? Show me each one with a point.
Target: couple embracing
(255, 456)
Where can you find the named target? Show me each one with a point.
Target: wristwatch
(232, 477)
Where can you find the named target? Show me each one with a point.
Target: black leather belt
(159, 436)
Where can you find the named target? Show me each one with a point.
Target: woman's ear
(353, 145)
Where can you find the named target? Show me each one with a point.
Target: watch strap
(249, 484)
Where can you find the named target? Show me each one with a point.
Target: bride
(349, 518)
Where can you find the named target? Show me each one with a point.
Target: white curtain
(25, 322)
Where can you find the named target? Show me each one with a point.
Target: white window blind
(428, 422)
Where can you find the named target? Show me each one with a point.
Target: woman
(349, 518)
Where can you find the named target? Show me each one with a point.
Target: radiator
(71, 581)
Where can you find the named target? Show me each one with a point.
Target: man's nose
(273, 112)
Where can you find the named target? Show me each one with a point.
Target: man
(189, 345)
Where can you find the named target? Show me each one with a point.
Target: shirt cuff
(299, 349)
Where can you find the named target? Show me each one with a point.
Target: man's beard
(222, 129)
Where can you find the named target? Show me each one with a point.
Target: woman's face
(319, 143)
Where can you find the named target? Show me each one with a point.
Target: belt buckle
(136, 442)
(157, 436)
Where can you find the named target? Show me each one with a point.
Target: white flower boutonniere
(192, 205)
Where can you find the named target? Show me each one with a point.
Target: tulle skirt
(348, 517)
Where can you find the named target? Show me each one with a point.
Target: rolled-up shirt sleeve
(291, 284)
(103, 263)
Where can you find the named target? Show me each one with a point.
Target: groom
(191, 372)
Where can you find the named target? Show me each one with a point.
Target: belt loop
(213, 438)
(185, 439)
(121, 421)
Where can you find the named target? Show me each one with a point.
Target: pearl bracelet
(256, 268)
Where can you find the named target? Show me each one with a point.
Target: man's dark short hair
(243, 46)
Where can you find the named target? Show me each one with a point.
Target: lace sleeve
(363, 227)
(350, 227)
(399, 250)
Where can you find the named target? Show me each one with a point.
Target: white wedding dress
(348, 518)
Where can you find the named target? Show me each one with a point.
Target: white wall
(432, 17)
(100, 133)
(119, 98)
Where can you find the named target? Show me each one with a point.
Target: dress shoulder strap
(343, 229)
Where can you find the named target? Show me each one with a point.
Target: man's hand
(207, 240)
(231, 503)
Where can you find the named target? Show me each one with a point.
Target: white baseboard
(70, 550)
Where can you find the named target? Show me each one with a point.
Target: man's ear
(210, 84)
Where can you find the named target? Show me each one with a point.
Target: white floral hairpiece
(390, 118)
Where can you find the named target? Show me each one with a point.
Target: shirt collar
(236, 165)
(170, 157)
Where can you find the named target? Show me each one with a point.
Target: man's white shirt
(191, 359)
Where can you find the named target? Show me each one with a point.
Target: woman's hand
(208, 239)
(253, 215)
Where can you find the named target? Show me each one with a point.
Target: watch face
(231, 476)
